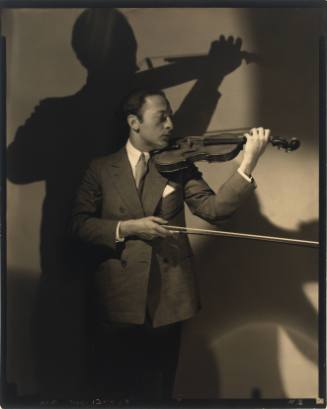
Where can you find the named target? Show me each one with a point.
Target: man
(144, 285)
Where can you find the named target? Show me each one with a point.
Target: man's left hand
(257, 140)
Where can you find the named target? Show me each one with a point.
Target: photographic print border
(294, 403)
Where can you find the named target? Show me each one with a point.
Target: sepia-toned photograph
(164, 207)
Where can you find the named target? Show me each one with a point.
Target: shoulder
(49, 112)
(55, 104)
(102, 162)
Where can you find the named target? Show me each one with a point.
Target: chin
(161, 144)
(164, 143)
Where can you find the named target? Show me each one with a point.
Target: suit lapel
(124, 182)
(154, 185)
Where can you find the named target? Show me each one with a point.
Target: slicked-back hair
(136, 99)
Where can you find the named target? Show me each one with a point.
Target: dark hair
(135, 100)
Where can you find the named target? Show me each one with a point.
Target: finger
(261, 132)
(230, 40)
(154, 228)
(267, 134)
(159, 220)
(152, 234)
(238, 43)
(158, 235)
(214, 44)
(222, 39)
(163, 232)
(248, 136)
(171, 232)
(251, 137)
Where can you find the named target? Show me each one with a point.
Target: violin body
(181, 153)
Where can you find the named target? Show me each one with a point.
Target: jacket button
(124, 263)
(122, 209)
(165, 260)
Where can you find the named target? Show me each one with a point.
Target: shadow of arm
(29, 154)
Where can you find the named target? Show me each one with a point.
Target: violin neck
(234, 139)
(224, 139)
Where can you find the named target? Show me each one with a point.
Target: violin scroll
(282, 143)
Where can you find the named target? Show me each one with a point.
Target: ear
(133, 122)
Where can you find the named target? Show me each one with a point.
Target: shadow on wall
(245, 283)
(290, 64)
(21, 289)
(55, 145)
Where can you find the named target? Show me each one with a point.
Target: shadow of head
(104, 42)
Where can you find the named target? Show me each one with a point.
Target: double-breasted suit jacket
(107, 195)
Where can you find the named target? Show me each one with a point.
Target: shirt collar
(134, 154)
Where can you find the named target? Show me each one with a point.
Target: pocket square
(168, 190)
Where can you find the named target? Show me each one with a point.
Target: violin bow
(247, 56)
(206, 232)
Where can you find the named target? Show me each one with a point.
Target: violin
(213, 147)
(217, 147)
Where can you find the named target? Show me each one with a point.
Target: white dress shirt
(133, 155)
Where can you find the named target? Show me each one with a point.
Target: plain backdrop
(257, 334)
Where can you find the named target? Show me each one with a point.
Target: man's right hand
(146, 228)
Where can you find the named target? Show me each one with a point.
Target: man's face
(156, 125)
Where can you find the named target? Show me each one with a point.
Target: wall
(257, 333)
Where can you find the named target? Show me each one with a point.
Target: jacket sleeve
(87, 224)
(214, 207)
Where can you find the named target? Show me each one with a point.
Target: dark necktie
(140, 172)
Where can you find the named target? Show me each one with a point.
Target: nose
(169, 123)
